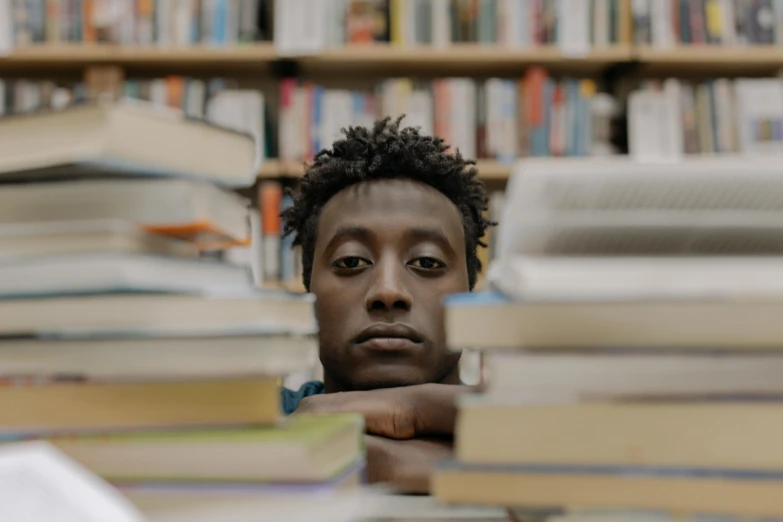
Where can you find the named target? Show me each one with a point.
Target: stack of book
(152, 365)
(634, 346)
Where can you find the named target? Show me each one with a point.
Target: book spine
(270, 199)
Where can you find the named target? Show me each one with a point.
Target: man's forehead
(400, 203)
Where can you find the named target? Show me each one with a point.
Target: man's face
(386, 253)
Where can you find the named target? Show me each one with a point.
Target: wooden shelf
(489, 170)
(701, 59)
(467, 59)
(202, 57)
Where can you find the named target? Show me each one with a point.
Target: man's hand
(424, 410)
(405, 464)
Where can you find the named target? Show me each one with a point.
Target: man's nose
(388, 289)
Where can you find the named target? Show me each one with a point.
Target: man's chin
(386, 377)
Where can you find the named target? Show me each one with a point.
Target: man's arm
(424, 410)
(405, 464)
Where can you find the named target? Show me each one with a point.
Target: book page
(39, 483)
(612, 206)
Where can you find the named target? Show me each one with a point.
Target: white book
(648, 125)
(601, 23)
(181, 208)
(129, 357)
(81, 274)
(441, 23)
(612, 206)
(38, 482)
(6, 29)
(336, 114)
(759, 100)
(182, 29)
(250, 312)
(674, 144)
(608, 278)
(420, 111)
(463, 122)
(573, 18)
(300, 27)
(662, 20)
(777, 6)
(241, 111)
(728, 14)
(570, 376)
(163, 22)
(32, 239)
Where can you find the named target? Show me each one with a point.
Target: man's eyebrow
(350, 232)
(435, 235)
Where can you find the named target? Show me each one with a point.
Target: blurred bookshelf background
(500, 80)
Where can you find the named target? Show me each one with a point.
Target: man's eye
(427, 263)
(351, 262)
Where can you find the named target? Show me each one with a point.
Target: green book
(305, 448)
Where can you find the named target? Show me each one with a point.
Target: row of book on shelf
(715, 22)
(146, 362)
(676, 117)
(146, 22)
(574, 25)
(632, 345)
(496, 118)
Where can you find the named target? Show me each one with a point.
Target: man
(389, 224)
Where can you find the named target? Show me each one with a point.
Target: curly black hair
(387, 151)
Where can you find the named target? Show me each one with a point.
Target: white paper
(38, 483)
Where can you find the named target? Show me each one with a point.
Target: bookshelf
(471, 59)
(711, 60)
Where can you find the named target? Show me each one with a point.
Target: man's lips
(389, 337)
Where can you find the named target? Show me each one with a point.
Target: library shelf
(712, 59)
(386, 59)
(489, 170)
(202, 57)
(465, 59)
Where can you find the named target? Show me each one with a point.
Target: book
(52, 406)
(124, 138)
(608, 374)
(98, 273)
(618, 206)
(703, 325)
(731, 434)
(33, 239)
(303, 449)
(336, 500)
(720, 492)
(38, 482)
(187, 209)
(607, 278)
(108, 357)
(251, 312)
